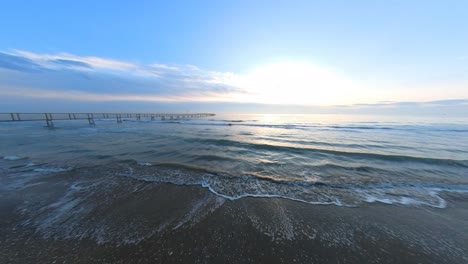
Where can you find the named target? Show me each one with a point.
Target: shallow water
(317, 159)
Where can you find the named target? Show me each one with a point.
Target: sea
(299, 188)
(337, 160)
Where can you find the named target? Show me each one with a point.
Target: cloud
(444, 108)
(72, 63)
(26, 75)
(437, 103)
(91, 78)
(47, 60)
(18, 63)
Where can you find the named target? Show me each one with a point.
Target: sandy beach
(147, 222)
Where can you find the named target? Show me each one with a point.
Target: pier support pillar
(91, 120)
(49, 121)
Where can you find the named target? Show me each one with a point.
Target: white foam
(441, 203)
(11, 158)
(145, 164)
(234, 188)
(50, 170)
(245, 195)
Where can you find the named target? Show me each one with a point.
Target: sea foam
(12, 158)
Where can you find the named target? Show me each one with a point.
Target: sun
(295, 83)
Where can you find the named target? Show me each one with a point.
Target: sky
(235, 56)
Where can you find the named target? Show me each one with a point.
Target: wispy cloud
(389, 105)
(48, 61)
(90, 78)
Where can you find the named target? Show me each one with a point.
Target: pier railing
(49, 118)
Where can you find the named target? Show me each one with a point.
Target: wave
(51, 170)
(312, 191)
(233, 121)
(359, 126)
(308, 126)
(362, 127)
(294, 140)
(361, 155)
(234, 186)
(12, 157)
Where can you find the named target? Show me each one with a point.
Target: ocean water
(335, 160)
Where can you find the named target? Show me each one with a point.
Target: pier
(49, 118)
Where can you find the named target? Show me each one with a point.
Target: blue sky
(212, 53)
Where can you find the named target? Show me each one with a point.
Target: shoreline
(176, 224)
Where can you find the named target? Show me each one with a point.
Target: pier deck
(49, 118)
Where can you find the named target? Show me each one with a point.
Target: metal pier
(49, 118)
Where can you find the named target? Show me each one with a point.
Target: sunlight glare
(295, 83)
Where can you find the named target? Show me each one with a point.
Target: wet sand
(131, 221)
